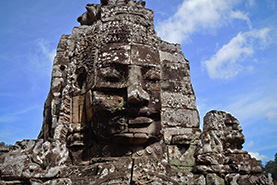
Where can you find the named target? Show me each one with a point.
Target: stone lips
(122, 110)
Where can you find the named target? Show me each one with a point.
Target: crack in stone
(132, 171)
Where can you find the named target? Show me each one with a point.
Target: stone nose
(136, 94)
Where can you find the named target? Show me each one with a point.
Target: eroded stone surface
(122, 110)
(219, 153)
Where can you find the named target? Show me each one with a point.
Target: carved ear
(81, 76)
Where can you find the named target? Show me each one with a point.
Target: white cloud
(40, 60)
(47, 52)
(251, 2)
(258, 156)
(12, 116)
(250, 144)
(255, 105)
(242, 16)
(227, 62)
(39, 64)
(272, 115)
(6, 119)
(198, 15)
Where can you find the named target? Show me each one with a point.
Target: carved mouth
(140, 122)
(140, 130)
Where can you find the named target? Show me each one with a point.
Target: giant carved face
(126, 96)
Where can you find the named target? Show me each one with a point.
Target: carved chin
(126, 130)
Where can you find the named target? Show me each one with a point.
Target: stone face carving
(126, 97)
(219, 152)
(121, 110)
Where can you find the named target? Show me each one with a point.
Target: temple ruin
(122, 110)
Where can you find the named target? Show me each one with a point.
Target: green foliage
(119, 107)
(271, 167)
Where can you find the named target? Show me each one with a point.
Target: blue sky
(231, 46)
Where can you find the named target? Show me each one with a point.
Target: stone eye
(152, 75)
(111, 74)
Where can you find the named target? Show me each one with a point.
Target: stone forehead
(120, 22)
(129, 54)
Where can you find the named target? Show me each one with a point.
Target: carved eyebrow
(111, 73)
(152, 75)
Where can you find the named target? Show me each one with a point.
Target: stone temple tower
(122, 110)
